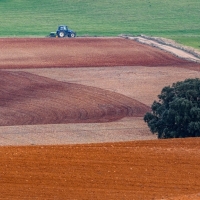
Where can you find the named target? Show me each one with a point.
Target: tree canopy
(177, 112)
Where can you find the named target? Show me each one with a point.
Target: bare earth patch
(28, 99)
(137, 82)
(140, 170)
(80, 52)
(126, 129)
(54, 86)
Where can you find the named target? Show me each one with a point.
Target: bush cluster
(177, 112)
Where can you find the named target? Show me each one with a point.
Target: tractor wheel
(61, 34)
(72, 35)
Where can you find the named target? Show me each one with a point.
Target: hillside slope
(30, 99)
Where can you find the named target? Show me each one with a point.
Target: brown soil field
(27, 99)
(89, 90)
(142, 170)
(80, 52)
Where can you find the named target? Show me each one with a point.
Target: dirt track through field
(173, 50)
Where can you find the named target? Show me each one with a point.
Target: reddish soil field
(80, 52)
(30, 99)
(142, 170)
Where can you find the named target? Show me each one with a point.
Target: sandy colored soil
(126, 129)
(143, 170)
(137, 82)
(90, 90)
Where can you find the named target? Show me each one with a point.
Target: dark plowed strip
(30, 99)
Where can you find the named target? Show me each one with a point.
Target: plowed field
(83, 90)
(30, 99)
(142, 170)
(80, 52)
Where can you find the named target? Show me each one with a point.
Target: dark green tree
(177, 112)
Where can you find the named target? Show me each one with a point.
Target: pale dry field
(137, 82)
(126, 129)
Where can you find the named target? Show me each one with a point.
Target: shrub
(177, 112)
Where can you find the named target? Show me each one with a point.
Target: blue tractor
(63, 31)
